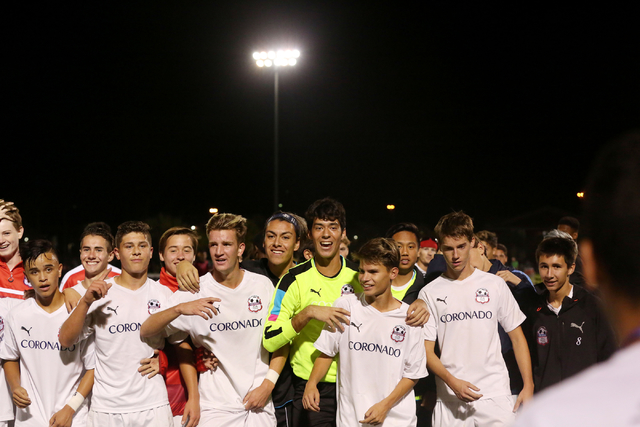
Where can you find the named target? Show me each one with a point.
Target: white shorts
(216, 418)
(493, 412)
(156, 417)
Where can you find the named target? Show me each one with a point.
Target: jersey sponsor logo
(316, 292)
(442, 300)
(398, 333)
(356, 326)
(374, 348)
(115, 310)
(255, 303)
(482, 296)
(321, 303)
(153, 306)
(465, 315)
(235, 325)
(45, 345)
(573, 325)
(28, 331)
(542, 336)
(346, 289)
(122, 328)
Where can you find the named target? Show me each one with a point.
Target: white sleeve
(9, 349)
(509, 314)
(179, 328)
(430, 329)
(415, 363)
(89, 354)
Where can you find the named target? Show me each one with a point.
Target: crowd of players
(419, 332)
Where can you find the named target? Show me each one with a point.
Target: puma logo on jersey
(316, 292)
(28, 331)
(217, 307)
(442, 300)
(573, 325)
(356, 326)
(115, 310)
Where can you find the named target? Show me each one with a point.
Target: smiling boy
(43, 375)
(378, 338)
(13, 282)
(568, 327)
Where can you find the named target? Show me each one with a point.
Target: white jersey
(79, 288)
(464, 318)
(606, 394)
(234, 336)
(375, 352)
(49, 372)
(6, 403)
(115, 321)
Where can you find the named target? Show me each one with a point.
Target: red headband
(429, 243)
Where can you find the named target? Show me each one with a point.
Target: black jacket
(563, 345)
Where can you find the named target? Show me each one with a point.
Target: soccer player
(177, 244)
(48, 381)
(466, 306)
(569, 330)
(113, 311)
(606, 394)
(96, 252)
(376, 337)
(6, 403)
(490, 241)
(226, 316)
(302, 305)
(13, 282)
(409, 281)
(428, 249)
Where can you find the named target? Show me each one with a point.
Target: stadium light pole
(276, 59)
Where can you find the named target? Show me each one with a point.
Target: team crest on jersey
(255, 303)
(482, 296)
(153, 306)
(398, 333)
(543, 339)
(346, 290)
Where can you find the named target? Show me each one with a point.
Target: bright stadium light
(276, 58)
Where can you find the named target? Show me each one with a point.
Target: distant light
(391, 207)
(279, 205)
(580, 195)
(355, 237)
(213, 210)
(193, 227)
(277, 58)
(26, 239)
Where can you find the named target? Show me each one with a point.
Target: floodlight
(260, 63)
(256, 55)
(292, 62)
(268, 63)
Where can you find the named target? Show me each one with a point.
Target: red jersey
(13, 283)
(76, 275)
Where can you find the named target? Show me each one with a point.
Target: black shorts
(328, 405)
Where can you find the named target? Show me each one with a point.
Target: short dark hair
(174, 231)
(611, 218)
(560, 246)
(132, 227)
(327, 209)
(31, 250)
(489, 237)
(382, 251)
(101, 229)
(503, 248)
(403, 226)
(455, 224)
(570, 221)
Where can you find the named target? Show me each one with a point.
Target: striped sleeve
(285, 303)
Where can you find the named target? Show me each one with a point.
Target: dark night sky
(118, 112)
